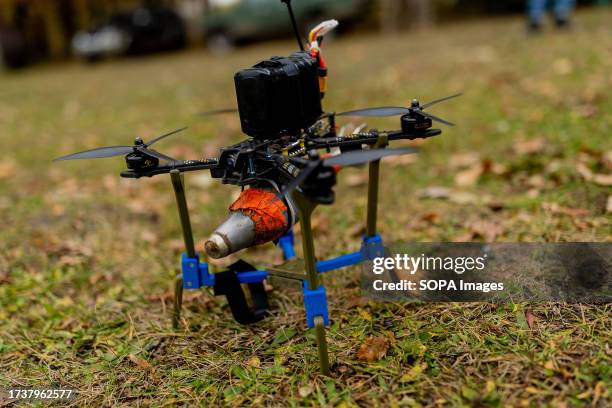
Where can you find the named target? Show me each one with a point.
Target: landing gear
(195, 274)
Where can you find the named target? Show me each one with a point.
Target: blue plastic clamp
(339, 262)
(372, 247)
(252, 276)
(195, 273)
(315, 303)
(286, 242)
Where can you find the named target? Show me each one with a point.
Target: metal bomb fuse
(258, 216)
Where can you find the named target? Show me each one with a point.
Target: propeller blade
(346, 159)
(434, 117)
(159, 155)
(160, 137)
(98, 153)
(432, 103)
(217, 112)
(304, 173)
(382, 111)
(364, 156)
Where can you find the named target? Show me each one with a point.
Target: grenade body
(258, 216)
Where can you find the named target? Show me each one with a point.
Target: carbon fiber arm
(182, 166)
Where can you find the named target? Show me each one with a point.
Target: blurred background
(88, 259)
(32, 31)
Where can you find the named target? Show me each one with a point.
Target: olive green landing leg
(181, 202)
(305, 209)
(322, 345)
(373, 181)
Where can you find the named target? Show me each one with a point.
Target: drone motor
(415, 124)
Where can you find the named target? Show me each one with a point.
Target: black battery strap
(227, 284)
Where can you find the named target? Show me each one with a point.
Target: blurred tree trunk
(400, 14)
(422, 12)
(54, 32)
(389, 15)
(82, 14)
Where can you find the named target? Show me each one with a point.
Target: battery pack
(278, 96)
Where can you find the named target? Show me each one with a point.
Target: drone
(286, 168)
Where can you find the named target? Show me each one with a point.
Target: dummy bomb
(258, 216)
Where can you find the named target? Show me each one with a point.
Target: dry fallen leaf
(357, 230)
(140, 362)
(201, 180)
(602, 179)
(356, 179)
(485, 229)
(463, 197)
(148, 236)
(499, 169)
(609, 204)
(584, 171)
(470, 176)
(529, 146)
(588, 175)
(7, 167)
(599, 390)
(434, 192)
(532, 193)
(70, 260)
(357, 301)
(463, 160)
(606, 159)
(401, 160)
(139, 206)
(110, 182)
(69, 248)
(536, 181)
(557, 209)
(553, 166)
(320, 223)
(530, 317)
(432, 217)
(373, 348)
(179, 150)
(585, 110)
(160, 297)
(305, 391)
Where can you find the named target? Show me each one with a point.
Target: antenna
(295, 28)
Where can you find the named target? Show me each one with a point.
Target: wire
(294, 24)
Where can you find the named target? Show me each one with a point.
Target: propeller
(111, 151)
(165, 135)
(437, 101)
(217, 112)
(398, 110)
(351, 158)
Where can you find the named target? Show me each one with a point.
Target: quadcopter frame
(295, 162)
(195, 274)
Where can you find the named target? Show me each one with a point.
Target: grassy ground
(87, 259)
